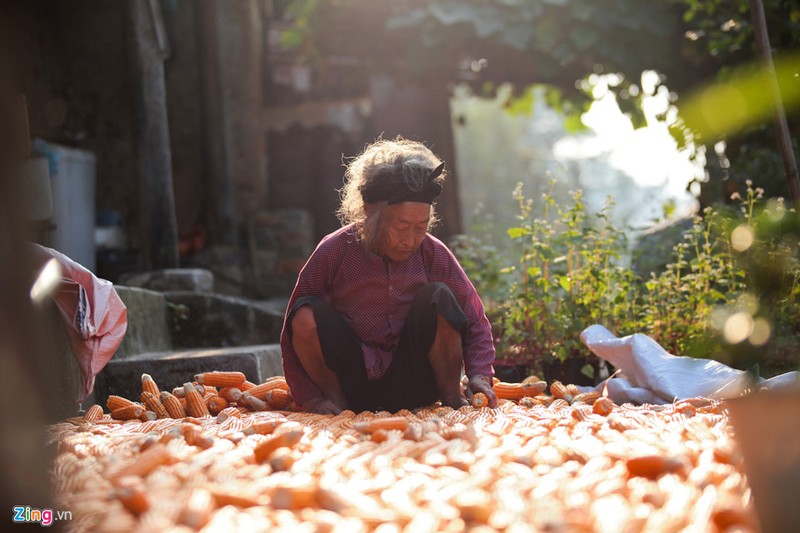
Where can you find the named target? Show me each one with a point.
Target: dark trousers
(409, 381)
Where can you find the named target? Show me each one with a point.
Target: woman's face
(405, 225)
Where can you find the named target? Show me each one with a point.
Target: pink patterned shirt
(374, 298)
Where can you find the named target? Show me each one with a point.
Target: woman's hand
(323, 406)
(481, 384)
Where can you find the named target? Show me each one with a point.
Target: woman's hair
(383, 159)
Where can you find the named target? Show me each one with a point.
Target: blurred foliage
(718, 41)
(524, 42)
(721, 109)
(559, 43)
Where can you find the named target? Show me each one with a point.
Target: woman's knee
(447, 334)
(304, 325)
(435, 290)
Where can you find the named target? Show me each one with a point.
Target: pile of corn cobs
(557, 461)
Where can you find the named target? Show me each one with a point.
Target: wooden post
(147, 48)
(781, 125)
(221, 214)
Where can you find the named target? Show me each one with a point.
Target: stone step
(170, 369)
(210, 319)
(148, 329)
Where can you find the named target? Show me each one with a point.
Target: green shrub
(731, 292)
(569, 275)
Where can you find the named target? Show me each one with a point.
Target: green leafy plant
(731, 292)
(569, 275)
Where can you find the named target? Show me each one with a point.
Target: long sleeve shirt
(374, 297)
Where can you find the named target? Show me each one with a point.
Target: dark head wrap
(393, 187)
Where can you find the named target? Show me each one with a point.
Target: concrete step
(210, 319)
(148, 329)
(170, 369)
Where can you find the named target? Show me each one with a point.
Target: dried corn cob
(173, 405)
(179, 392)
(294, 497)
(253, 403)
(228, 412)
(216, 404)
(288, 439)
(206, 390)
(154, 404)
(149, 385)
(479, 400)
(603, 406)
(263, 428)
(93, 413)
(582, 412)
(282, 460)
(232, 394)
(651, 466)
(247, 385)
(220, 379)
(572, 389)
(558, 403)
(195, 405)
(389, 422)
(224, 496)
(531, 379)
(587, 397)
(559, 390)
(198, 509)
(527, 401)
(115, 402)
(260, 391)
(278, 398)
(146, 462)
(515, 391)
(148, 416)
(195, 437)
(133, 497)
(379, 435)
(128, 412)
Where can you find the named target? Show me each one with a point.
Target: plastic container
(73, 191)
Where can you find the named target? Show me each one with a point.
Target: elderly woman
(383, 317)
